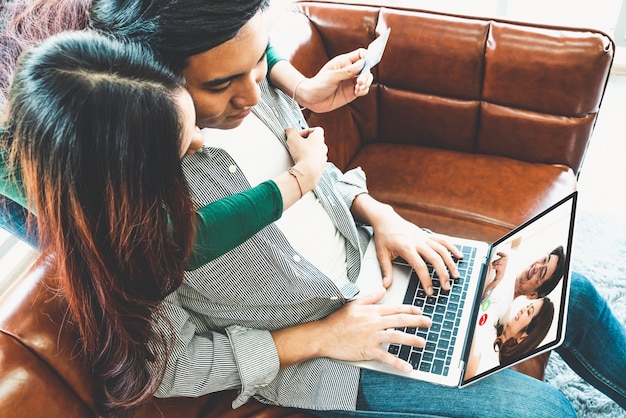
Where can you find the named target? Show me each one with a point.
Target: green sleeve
(10, 181)
(273, 56)
(226, 223)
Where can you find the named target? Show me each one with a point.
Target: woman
(96, 129)
(513, 336)
(87, 132)
(523, 332)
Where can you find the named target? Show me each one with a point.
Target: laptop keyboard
(444, 307)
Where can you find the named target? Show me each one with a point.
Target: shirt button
(232, 168)
(334, 297)
(296, 258)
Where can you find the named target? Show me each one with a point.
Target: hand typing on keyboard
(396, 237)
(444, 307)
(358, 330)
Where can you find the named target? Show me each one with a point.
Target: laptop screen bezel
(562, 314)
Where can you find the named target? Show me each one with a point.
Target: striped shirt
(219, 320)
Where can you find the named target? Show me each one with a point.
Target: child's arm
(336, 84)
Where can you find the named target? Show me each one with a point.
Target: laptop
(480, 326)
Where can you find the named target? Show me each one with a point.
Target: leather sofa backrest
(522, 91)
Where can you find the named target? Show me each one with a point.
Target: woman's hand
(309, 153)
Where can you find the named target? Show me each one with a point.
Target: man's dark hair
(174, 29)
(548, 285)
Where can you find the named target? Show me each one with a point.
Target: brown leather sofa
(471, 127)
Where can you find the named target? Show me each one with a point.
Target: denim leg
(595, 341)
(505, 394)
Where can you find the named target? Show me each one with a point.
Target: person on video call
(504, 340)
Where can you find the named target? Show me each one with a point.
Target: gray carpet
(600, 254)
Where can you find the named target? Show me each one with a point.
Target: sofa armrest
(30, 388)
(33, 315)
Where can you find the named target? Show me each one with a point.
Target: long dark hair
(511, 350)
(96, 128)
(175, 29)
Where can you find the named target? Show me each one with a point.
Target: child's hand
(336, 84)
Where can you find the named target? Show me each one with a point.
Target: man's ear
(521, 338)
(533, 295)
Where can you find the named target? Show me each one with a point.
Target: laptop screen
(523, 303)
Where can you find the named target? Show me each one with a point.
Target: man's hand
(337, 83)
(354, 332)
(395, 237)
(357, 331)
(498, 266)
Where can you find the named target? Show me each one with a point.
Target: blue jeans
(595, 341)
(594, 347)
(505, 394)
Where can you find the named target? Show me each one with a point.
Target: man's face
(224, 80)
(529, 279)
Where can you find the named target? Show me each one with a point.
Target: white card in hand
(375, 51)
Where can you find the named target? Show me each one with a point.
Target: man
(535, 281)
(271, 318)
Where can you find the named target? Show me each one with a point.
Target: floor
(600, 239)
